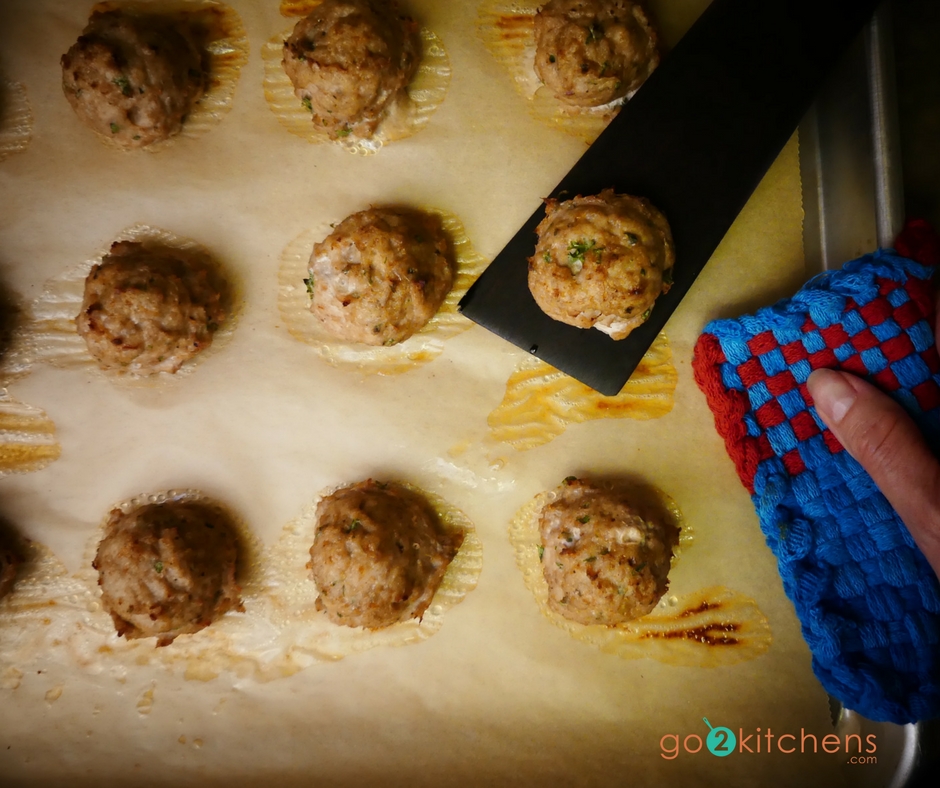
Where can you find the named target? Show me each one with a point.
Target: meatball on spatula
(694, 142)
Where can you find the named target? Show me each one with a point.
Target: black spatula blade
(696, 139)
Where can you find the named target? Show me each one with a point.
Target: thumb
(877, 432)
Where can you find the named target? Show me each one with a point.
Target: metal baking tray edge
(853, 202)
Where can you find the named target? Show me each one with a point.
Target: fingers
(877, 432)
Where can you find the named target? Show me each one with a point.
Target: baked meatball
(10, 559)
(133, 78)
(603, 562)
(381, 275)
(590, 52)
(166, 569)
(601, 261)
(379, 555)
(348, 60)
(148, 310)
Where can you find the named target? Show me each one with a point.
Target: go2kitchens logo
(723, 741)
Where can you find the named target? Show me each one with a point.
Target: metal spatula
(696, 139)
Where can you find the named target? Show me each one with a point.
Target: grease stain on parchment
(540, 402)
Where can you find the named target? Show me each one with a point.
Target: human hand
(877, 432)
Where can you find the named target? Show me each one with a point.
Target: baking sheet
(498, 695)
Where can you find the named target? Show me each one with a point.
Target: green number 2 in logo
(720, 741)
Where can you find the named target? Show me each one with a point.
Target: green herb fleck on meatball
(577, 251)
(124, 84)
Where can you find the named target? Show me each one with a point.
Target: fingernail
(831, 393)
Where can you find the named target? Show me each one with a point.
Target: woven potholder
(867, 599)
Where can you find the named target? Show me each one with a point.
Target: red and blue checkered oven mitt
(867, 599)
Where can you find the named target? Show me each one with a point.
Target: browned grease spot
(704, 607)
(507, 31)
(27, 438)
(514, 27)
(24, 458)
(298, 7)
(540, 402)
(509, 20)
(16, 422)
(705, 634)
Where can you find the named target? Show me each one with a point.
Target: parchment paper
(499, 696)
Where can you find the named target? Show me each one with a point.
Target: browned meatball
(133, 78)
(590, 52)
(10, 559)
(601, 261)
(148, 310)
(379, 554)
(381, 275)
(348, 60)
(603, 562)
(166, 569)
